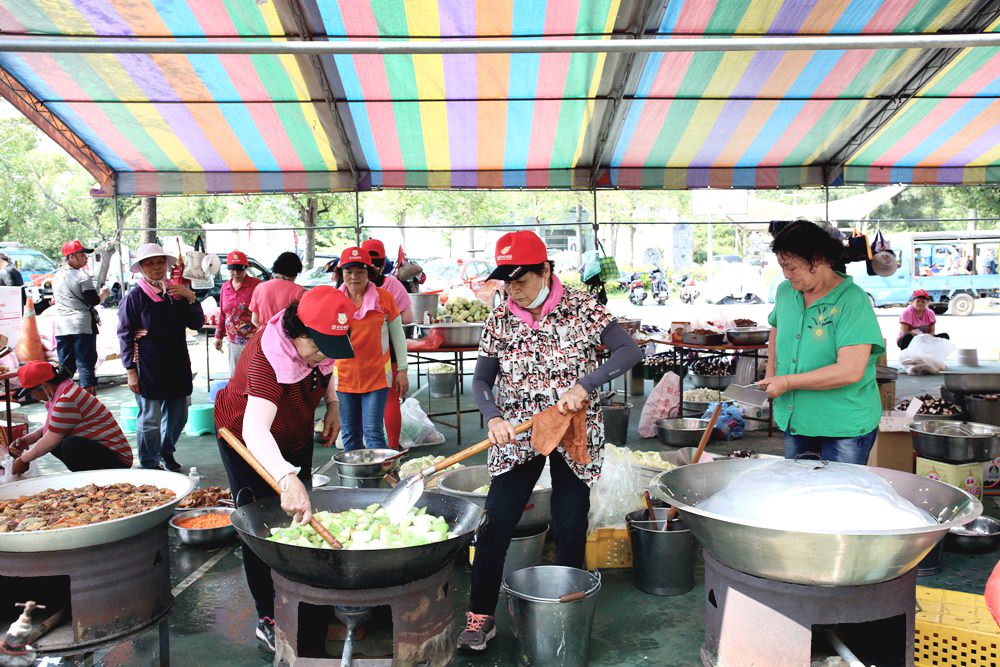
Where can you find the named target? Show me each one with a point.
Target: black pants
(505, 503)
(247, 487)
(905, 340)
(78, 352)
(78, 454)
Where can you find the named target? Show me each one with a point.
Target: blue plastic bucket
(129, 415)
(201, 419)
(215, 387)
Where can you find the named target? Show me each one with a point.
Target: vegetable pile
(367, 528)
(932, 406)
(413, 466)
(651, 460)
(464, 310)
(703, 395)
(204, 521)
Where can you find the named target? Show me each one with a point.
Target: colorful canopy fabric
(161, 124)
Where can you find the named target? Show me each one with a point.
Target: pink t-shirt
(274, 295)
(918, 322)
(398, 292)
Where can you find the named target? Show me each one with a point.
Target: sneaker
(479, 629)
(265, 631)
(170, 462)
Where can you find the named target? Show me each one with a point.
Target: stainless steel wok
(827, 559)
(62, 539)
(346, 569)
(463, 482)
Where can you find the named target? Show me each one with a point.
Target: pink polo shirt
(274, 295)
(398, 292)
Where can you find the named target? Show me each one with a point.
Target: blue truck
(955, 268)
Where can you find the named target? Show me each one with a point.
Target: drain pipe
(841, 648)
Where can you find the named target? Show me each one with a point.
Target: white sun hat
(148, 250)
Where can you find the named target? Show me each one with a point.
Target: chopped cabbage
(651, 460)
(367, 528)
(413, 466)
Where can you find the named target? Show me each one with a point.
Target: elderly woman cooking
(821, 355)
(363, 382)
(151, 333)
(270, 402)
(539, 349)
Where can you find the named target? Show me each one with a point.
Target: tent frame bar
(431, 47)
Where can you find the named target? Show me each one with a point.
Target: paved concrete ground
(213, 622)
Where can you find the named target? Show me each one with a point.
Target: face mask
(543, 294)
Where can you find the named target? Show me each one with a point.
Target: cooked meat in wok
(211, 496)
(66, 508)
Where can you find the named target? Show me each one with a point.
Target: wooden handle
(573, 597)
(705, 437)
(475, 449)
(252, 461)
(650, 509)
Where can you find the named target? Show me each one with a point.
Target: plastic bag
(617, 492)
(193, 269)
(417, 429)
(926, 355)
(664, 402)
(432, 341)
(730, 424)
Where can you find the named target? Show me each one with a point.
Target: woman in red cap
(79, 430)
(393, 416)
(270, 402)
(917, 318)
(363, 382)
(235, 318)
(538, 349)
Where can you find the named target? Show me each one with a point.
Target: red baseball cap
(236, 258)
(355, 256)
(920, 294)
(327, 313)
(515, 252)
(71, 247)
(33, 375)
(375, 247)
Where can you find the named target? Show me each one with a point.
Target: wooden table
(457, 362)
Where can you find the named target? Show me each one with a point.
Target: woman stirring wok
(270, 402)
(538, 350)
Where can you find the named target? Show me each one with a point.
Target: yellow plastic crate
(608, 548)
(954, 630)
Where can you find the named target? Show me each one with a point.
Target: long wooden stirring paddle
(252, 461)
(705, 437)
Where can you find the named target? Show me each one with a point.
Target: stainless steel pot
(983, 409)
(464, 334)
(712, 381)
(829, 558)
(61, 539)
(367, 462)
(748, 335)
(424, 303)
(463, 482)
(955, 441)
(681, 432)
(204, 537)
(972, 383)
(976, 537)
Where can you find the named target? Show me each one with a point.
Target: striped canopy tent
(191, 123)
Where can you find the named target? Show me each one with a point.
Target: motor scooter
(689, 289)
(659, 287)
(637, 290)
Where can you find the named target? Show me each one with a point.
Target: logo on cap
(342, 318)
(354, 253)
(505, 250)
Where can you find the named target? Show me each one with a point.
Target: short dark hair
(539, 269)
(4, 257)
(287, 264)
(374, 275)
(291, 324)
(810, 242)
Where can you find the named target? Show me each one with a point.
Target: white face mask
(543, 294)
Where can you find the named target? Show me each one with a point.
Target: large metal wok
(828, 559)
(346, 569)
(61, 539)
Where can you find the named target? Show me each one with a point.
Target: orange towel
(549, 428)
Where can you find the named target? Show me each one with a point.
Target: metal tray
(703, 339)
(456, 334)
(62, 539)
(972, 383)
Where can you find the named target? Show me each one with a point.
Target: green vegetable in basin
(367, 528)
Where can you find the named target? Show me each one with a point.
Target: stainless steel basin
(826, 559)
(955, 441)
(463, 481)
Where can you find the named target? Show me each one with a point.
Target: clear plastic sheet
(618, 491)
(808, 496)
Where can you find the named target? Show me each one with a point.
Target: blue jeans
(844, 450)
(78, 352)
(158, 427)
(362, 419)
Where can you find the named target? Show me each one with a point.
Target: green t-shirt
(809, 338)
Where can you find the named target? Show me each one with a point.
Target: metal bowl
(984, 408)
(204, 537)
(972, 383)
(463, 481)
(813, 558)
(694, 408)
(976, 537)
(703, 339)
(456, 334)
(955, 441)
(366, 462)
(681, 432)
(748, 335)
(712, 381)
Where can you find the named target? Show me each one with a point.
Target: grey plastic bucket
(616, 416)
(547, 631)
(662, 560)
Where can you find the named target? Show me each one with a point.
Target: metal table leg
(208, 362)
(164, 644)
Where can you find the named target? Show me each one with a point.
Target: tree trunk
(631, 243)
(401, 222)
(579, 234)
(148, 234)
(308, 215)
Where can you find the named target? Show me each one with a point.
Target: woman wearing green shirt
(821, 359)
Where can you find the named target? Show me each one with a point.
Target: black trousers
(247, 487)
(84, 454)
(907, 338)
(505, 503)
